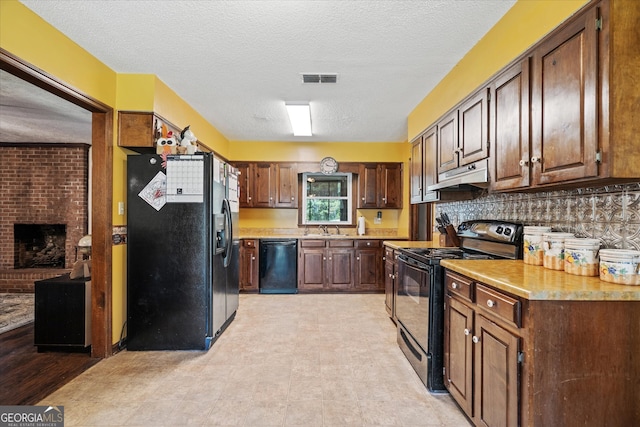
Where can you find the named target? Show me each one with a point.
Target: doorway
(101, 193)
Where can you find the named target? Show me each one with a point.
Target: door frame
(101, 194)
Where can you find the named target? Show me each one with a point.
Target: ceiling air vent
(319, 78)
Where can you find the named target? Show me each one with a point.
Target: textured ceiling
(237, 62)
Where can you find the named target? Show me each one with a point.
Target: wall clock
(328, 165)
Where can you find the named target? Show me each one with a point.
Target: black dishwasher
(278, 266)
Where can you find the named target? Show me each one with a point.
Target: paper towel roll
(361, 226)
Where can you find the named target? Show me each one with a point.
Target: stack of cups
(533, 250)
(554, 250)
(581, 256)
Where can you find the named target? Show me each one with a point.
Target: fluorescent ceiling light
(300, 118)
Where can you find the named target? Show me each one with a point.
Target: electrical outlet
(120, 208)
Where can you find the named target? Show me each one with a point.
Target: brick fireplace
(44, 211)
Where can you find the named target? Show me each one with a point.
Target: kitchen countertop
(531, 282)
(316, 236)
(400, 244)
(534, 282)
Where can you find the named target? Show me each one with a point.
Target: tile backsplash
(609, 213)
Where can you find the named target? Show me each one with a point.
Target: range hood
(469, 177)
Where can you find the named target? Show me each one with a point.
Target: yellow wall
(523, 25)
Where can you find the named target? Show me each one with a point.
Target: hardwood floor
(28, 376)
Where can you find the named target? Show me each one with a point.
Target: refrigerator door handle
(226, 210)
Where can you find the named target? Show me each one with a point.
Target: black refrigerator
(182, 250)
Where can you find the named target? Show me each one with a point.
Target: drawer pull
(454, 285)
(490, 303)
(466, 331)
(475, 339)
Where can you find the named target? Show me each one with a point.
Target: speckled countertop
(531, 281)
(253, 234)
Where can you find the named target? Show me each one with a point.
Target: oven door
(412, 299)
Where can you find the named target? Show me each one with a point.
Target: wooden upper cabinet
(244, 181)
(565, 103)
(463, 134)
(429, 167)
(447, 138)
(416, 171)
(286, 185)
(368, 184)
(380, 186)
(391, 183)
(473, 134)
(137, 129)
(509, 133)
(263, 185)
(268, 185)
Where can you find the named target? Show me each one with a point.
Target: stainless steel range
(420, 292)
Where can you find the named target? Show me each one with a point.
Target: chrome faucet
(324, 229)
(337, 230)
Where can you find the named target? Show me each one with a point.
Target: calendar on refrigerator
(185, 179)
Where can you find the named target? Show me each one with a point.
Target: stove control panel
(499, 231)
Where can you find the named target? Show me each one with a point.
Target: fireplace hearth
(39, 245)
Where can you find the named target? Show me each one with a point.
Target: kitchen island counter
(534, 282)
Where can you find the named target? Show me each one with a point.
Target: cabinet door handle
(467, 331)
(454, 285)
(475, 339)
(524, 162)
(324, 258)
(253, 258)
(292, 199)
(491, 303)
(535, 159)
(363, 199)
(357, 258)
(329, 258)
(249, 198)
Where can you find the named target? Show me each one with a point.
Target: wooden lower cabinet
(342, 265)
(368, 261)
(390, 272)
(495, 374)
(249, 273)
(510, 361)
(481, 369)
(458, 353)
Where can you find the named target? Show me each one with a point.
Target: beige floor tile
(304, 413)
(286, 360)
(341, 413)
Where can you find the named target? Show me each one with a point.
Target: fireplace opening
(39, 245)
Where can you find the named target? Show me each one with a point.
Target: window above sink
(327, 199)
